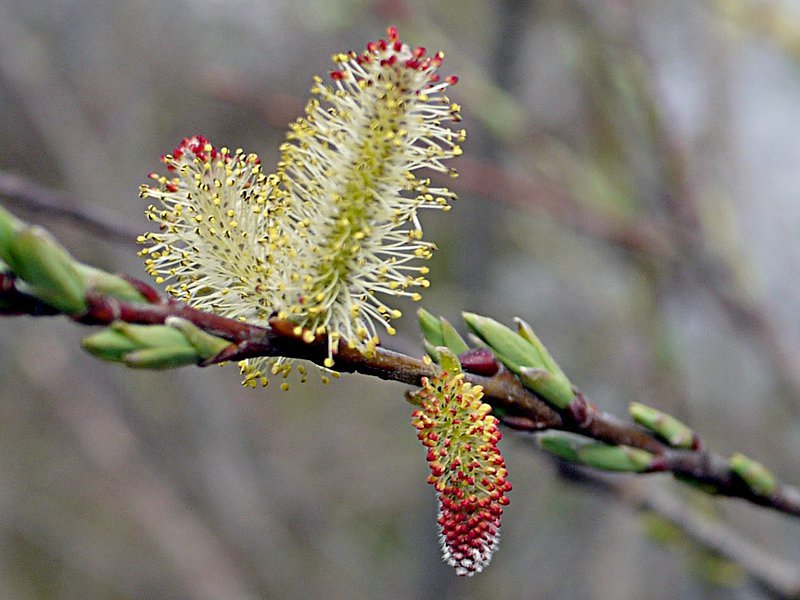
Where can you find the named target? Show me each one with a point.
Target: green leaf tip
(580, 449)
(43, 267)
(525, 331)
(9, 227)
(448, 360)
(206, 345)
(438, 332)
(161, 358)
(667, 427)
(431, 328)
(108, 284)
(120, 342)
(175, 344)
(47, 271)
(757, 477)
(46, 268)
(615, 458)
(109, 344)
(524, 354)
(561, 444)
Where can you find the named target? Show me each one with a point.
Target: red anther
(337, 75)
(434, 78)
(419, 51)
(392, 33)
(171, 187)
(451, 79)
(196, 146)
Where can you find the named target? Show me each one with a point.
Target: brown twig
(517, 406)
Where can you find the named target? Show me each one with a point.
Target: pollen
(334, 230)
(349, 168)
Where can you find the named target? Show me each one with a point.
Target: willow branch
(518, 407)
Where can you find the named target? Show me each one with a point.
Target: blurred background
(629, 186)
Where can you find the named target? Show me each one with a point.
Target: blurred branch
(491, 180)
(776, 575)
(241, 90)
(772, 20)
(199, 558)
(29, 72)
(35, 199)
(714, 271)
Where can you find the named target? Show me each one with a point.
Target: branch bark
(519, 408)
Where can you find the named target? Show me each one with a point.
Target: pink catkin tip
(196, 146)
(469, 518)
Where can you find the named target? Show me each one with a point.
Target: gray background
(117, 484)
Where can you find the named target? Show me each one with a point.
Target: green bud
(525, 331)
(109, 345)
(9, 227)
(757, 477)
(667, 427)
(431, 350)
(152, 336)
(615, 458)
(108, 284)
(431, 328)
(438, 332)
(449, 360)
(161, 358)
(548, 386)
(584, 450)
(526, 356)
(513, 350)
(47, 269)
(452, 339)
(143, 346)
(206, 345)
(562, 444)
